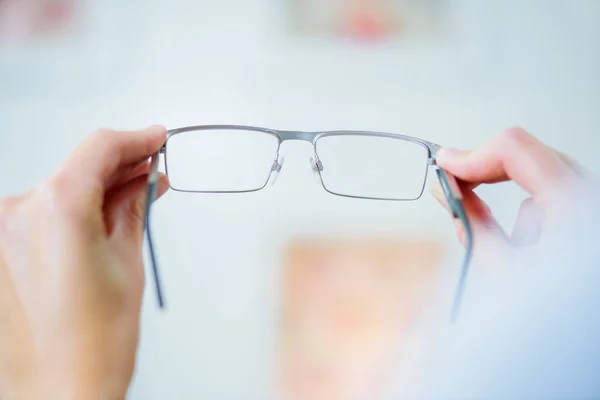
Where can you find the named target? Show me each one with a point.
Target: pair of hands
(71, 265)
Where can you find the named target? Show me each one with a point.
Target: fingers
(101, 158)
(125, 206)
(589, 175)
(528, 227)
(489, 235)
(514, 155)
(132, 172)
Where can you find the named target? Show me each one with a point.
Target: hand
(564, 197)
(71, 272)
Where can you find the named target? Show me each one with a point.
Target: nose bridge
(297, 135)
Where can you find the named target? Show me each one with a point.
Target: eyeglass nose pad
(276, 169)
(317, 166)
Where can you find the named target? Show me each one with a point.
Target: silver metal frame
(448, 182)
(311, 137)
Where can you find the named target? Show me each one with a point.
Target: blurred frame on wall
(56, 47)
(348, 305)
(23, 21)
(366, 19)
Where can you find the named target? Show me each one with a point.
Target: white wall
(532, 63)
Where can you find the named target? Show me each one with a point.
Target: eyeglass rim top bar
(309, 136)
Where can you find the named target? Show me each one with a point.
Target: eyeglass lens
(350, 164)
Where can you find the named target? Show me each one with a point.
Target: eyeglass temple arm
(455, 200)
(449, 185)
(152, 188)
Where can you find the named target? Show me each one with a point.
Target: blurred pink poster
(26, 20)
(347, 305)
(366, 19)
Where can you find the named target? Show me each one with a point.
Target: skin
(71, 266)
(561, 202)
(71, 272)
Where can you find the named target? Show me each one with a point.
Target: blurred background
(455, 72)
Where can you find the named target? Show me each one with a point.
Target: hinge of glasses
(432, 160)
(163, 150)
(434, 151)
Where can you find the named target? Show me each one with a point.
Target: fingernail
(446, 153)
(156, 130)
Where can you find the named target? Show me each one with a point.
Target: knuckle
(54, 190)
(53, 196)
(515, 136)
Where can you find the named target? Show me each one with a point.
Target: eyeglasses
(357, 164)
